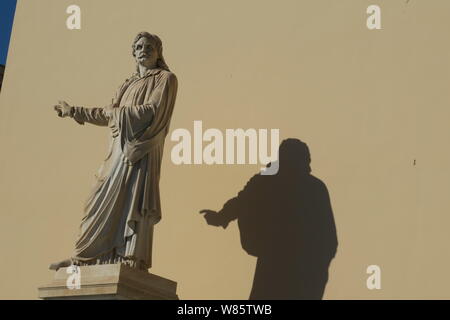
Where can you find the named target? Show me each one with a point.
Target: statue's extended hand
(63, 109)
(213, 218)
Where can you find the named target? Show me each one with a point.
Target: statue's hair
(158, 46)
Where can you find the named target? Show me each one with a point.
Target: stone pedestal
(108, 282)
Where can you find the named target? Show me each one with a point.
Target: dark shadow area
(2, 71)
(286, 221)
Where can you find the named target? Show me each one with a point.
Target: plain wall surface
(371, 105)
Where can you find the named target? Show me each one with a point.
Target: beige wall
(367, 103)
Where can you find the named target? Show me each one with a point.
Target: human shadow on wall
(286, 221)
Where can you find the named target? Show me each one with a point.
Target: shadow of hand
(213, 218)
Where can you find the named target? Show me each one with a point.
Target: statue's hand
(213, 218)
(63, 109)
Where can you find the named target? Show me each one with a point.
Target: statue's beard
(147, 63)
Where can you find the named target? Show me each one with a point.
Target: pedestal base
(108, 282)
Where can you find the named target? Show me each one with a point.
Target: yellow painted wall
(367, 103)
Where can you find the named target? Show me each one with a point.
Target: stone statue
(124, 203)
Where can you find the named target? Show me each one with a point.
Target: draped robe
(124, 203)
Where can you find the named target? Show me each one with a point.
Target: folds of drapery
(144, 126)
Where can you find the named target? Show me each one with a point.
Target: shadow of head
(293, 157)
(286, 220)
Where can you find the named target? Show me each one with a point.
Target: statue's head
(147, 50)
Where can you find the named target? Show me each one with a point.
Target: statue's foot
(61, 264)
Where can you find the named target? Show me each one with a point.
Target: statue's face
(144, 53)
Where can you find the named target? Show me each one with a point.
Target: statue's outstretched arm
(95, 116)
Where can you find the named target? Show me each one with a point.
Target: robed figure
(124, 203)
